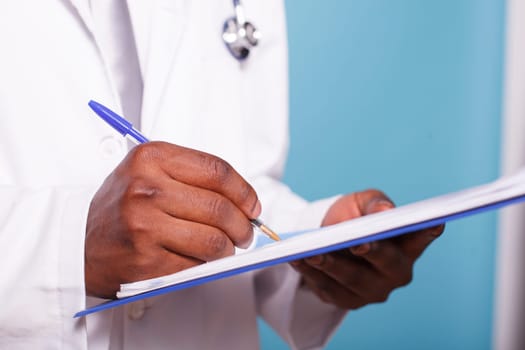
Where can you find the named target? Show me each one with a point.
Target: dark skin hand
(165, 208)
(368, 273)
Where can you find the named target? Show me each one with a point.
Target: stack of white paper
(393, 222)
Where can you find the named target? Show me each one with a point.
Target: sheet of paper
(393, 222)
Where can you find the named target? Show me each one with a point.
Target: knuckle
(218, 246)
(137, 226)
(140, 188)
(219, 169)
(132, 223)
(131, 205)
(144, 153)
(218, 207)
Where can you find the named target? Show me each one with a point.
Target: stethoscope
(239, 35)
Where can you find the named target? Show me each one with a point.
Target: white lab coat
(55, 153)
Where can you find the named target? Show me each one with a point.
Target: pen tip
(270, 233)
(265, 229)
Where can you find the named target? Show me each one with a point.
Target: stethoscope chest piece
(239, 35)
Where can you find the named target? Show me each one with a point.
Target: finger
(206, 171)
(356, 275)
(171, 263)
(390, 260)
(355, 205)
(362, 249)
(202, 242)
(205, 207)
(414, 244)
(327, 289)
(162, 263)
(370, 202)
(373, 201)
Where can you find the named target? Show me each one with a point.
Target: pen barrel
(135, 135)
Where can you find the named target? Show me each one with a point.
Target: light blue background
(405, 96)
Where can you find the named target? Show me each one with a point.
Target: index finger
(414, 244)
(200, 169)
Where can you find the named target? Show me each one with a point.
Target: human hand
(165, 208)
(368, 273)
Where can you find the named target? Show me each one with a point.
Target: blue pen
(118, 123)
(126, 129)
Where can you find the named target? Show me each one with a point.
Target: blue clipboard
(283, 259)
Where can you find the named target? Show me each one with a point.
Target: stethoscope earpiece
(239, 35)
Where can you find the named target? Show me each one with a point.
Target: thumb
(377, 205)
(357, 204)
(373, 201)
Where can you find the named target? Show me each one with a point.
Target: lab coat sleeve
(42, 283)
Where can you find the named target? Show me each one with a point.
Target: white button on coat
(136, 310)
(110, 146)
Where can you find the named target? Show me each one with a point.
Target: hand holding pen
(164, 208)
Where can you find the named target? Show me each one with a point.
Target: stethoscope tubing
(239, 12)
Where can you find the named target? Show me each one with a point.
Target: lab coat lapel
(158, 27)
(161, 25)
(140, 13)
(84, 12)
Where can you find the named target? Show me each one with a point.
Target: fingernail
(316, 260)
(379, 204)
(295, 263)
(361, 249)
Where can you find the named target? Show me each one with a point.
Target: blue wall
(404, 96)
